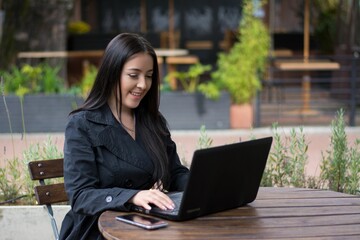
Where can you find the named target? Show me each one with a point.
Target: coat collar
(103, 115)
(113, 137)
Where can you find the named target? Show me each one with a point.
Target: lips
(136, 94)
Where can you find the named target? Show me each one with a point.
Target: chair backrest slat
(49, 193)
(52, 193)
(46, 169)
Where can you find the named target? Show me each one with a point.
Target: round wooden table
(277, 213)
(164, 53)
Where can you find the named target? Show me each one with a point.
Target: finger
(146, 206)
(161, 200)
(146, 198)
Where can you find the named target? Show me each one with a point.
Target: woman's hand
(153, 196)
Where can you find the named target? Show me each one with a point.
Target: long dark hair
(150, 124)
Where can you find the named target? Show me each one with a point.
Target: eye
(149, 77)
(133, 75)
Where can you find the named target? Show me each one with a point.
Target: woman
(118, 148)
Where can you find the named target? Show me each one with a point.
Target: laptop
(221, 178)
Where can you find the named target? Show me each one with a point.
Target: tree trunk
(33, 25)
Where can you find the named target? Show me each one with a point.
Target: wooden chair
(48, 194)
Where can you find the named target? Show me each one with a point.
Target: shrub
(240, 70)
(340, 168)
(84, 86)
(38, 151)
(287, 160)
(42, 78)
(189, 80)
(11, 182)
(15, 181)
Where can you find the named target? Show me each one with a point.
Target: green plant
(190, 79)
(42, 78)
(298, 157)
(240, 71)
(51, 82)
(11, 181)
(287, 160)
(13, 79)
(333, 167)
(275, 173)
(204, 140)
(353, 179)
(13, 184)
(78, 27)
(10, 175)
(340, 167)
(2, 91)
(38, 151)
(20, 92)
(84, 86)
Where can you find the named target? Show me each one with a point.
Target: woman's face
(136, 80)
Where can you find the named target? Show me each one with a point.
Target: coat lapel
(113, 137)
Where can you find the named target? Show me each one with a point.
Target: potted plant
(240, 70)
(187, 108)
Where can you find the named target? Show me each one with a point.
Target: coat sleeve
(81, 174)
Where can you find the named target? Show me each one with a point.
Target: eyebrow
(139, 70)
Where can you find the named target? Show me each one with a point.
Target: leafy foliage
(240, 71)
(190, 79)
(287, 160)
(42, 78)
(15, 181)
(10, 180)
(78, 27)
(84, 86)
(340, 169)
(204, 140)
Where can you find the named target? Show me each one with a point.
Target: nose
(141, 83)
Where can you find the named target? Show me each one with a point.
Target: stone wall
(29, 222)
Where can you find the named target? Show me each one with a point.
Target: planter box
(185, 111)
(48, 113)
(42, 113)
(29, 222)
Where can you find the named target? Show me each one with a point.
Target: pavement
(318, 139)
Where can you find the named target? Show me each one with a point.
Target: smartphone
(145, 222)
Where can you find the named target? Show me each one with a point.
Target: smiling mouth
(135, 94)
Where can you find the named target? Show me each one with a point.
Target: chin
(133, 105)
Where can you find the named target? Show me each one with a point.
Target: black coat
(103, 168)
